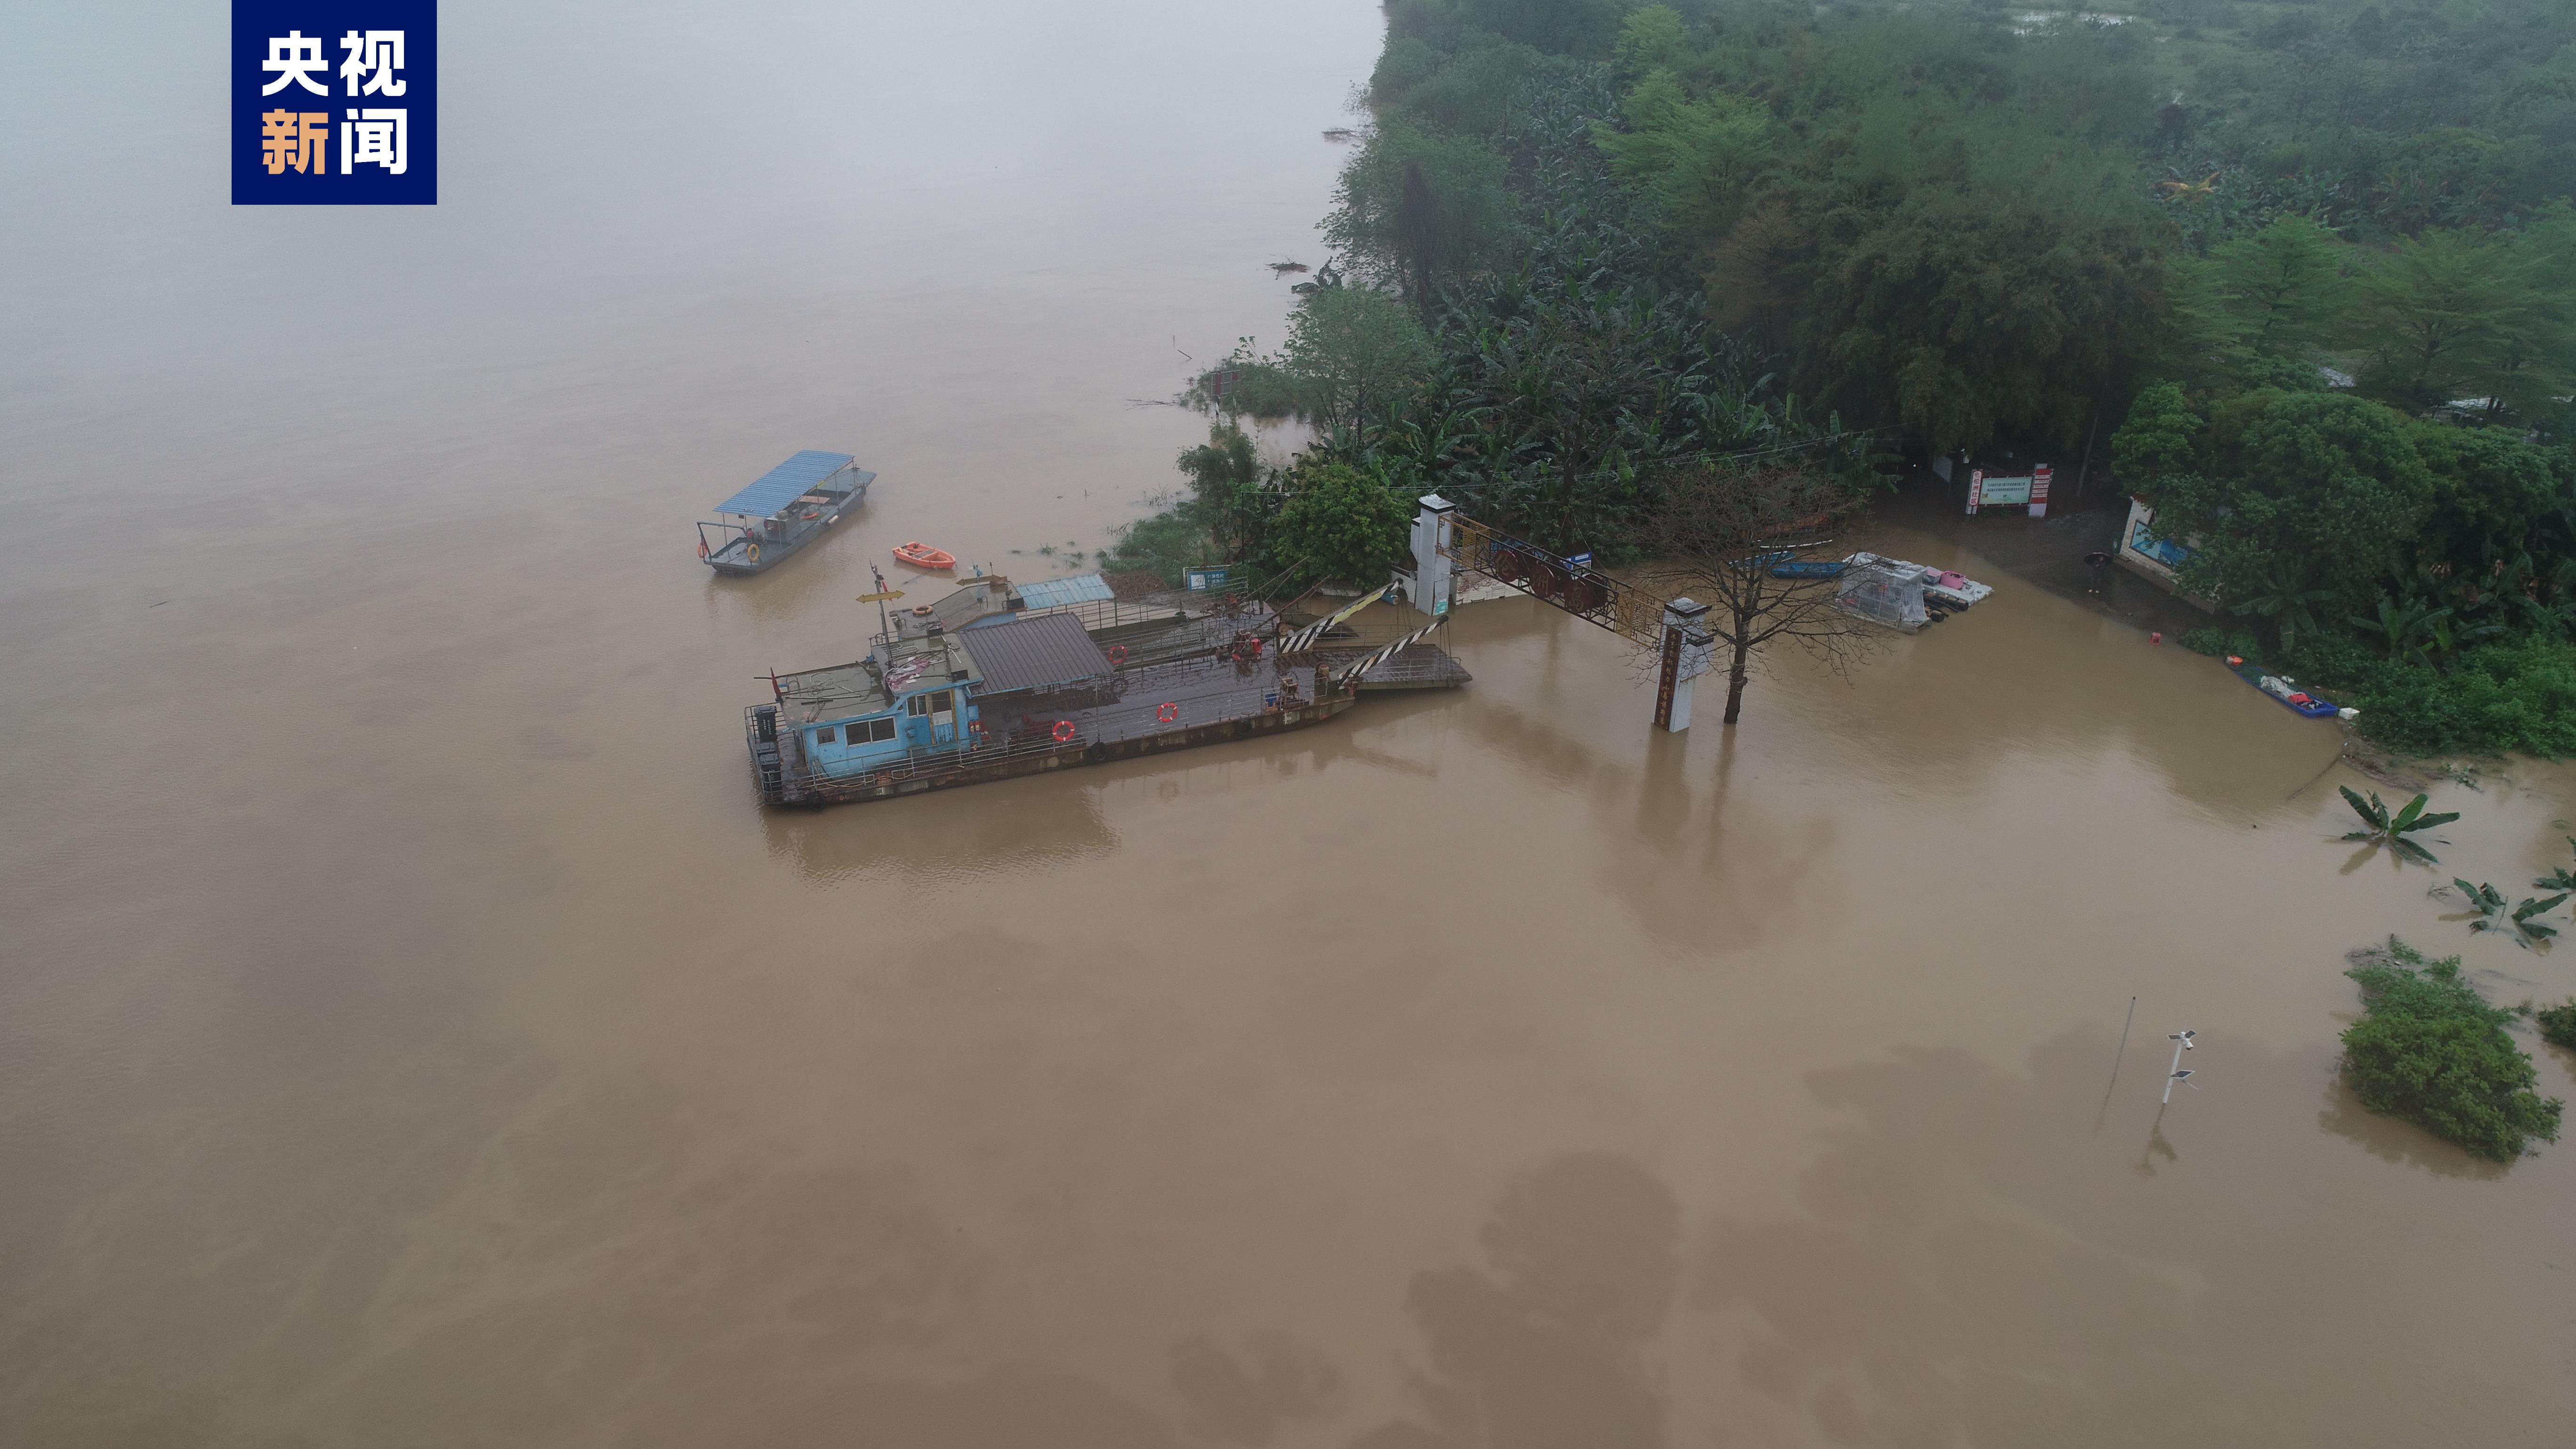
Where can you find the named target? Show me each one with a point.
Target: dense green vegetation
(2198, 222)
(2423, 571)
(2429, 1050)
(2304, 273)
(1503, 323)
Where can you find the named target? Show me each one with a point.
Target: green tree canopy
(1226, 490)
(2326, 487)
(2264, 304)
(1351, 350)
(1417, 206)
(2437, 314)
(1700, 157)
(2160, 436)
(1933, 219)
(1341, 524)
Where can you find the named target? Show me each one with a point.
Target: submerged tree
(2431, 1051)
(1351, 351)
(1354, 352)
(2558, 1024)
(1727, 534)
(1227, 492)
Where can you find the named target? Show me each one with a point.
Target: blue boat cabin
(922, 695)
(925, 720)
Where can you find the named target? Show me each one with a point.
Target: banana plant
(2404, 623)
(2548, 605)
(2561, 879)
(2488, 902)
(2393, 830)
(2285, 599)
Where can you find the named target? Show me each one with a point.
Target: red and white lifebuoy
(1167, 711)
(1117, 653)
(702, 545)
(1063, 731)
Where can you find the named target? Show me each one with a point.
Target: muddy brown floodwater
(414, 1035)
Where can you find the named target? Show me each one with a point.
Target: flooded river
(410, 1032)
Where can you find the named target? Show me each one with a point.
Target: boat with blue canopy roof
(786, 509)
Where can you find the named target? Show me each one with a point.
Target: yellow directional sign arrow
(877, 598)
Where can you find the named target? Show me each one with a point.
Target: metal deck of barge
(1209, 700)
(1172, 678)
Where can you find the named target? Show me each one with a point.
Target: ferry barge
(788, 508)
(999, 680)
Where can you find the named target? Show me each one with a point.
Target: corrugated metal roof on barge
(783, 484)
(1038, 652)
(1056, 593)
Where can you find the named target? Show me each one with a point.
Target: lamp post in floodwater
(2175, 1073)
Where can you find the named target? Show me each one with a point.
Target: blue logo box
(335, 102)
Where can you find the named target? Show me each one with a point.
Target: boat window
(824, 736)
(881, 729)
(940, 705)
(919, 704)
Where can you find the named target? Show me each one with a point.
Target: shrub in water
(2558, 1024)
(2429, 1050)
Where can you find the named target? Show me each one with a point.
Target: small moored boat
(923, 556)
(2283, 690)
(1953, 589)
(788, 508)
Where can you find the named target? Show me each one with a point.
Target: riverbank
(2049, 554)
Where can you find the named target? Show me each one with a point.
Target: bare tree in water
(1721, 532)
